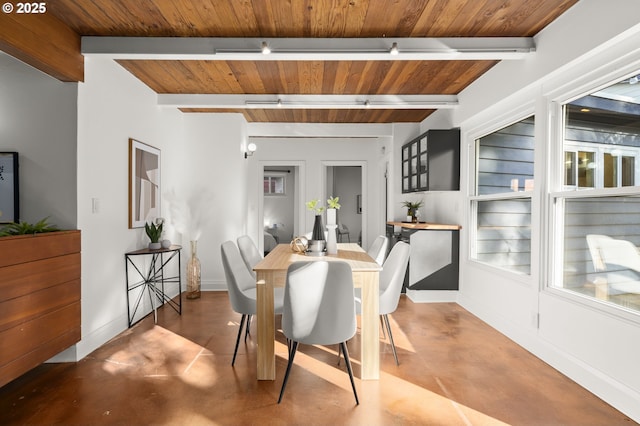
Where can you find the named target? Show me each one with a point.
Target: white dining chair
(319, 309)
(241, 286)
(378, 250)
(617, 262)
(392, 275)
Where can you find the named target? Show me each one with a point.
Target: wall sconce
(251, 148)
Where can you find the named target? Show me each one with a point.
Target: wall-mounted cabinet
(431, 162)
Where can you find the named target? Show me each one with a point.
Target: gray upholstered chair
(391, 279)
(378, 250)
(319, 309)
(249, 252)
(241, 286)
(343, 230)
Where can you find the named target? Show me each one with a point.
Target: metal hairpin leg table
(153, 280)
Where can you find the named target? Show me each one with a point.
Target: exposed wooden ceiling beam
(290, 101)
(43, 42)
(312, 49)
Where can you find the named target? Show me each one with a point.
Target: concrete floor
(454, 370)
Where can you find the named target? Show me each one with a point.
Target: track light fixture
(394, 49)
(265, 48)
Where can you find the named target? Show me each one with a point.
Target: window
(597, 209)
(502, 200)
(274, 185)
(600, 166)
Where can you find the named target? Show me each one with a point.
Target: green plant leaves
(24, 228)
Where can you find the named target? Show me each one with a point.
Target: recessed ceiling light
(585, 110)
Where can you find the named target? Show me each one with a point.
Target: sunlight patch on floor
(159, 352)
(399, 338)
(404, 396)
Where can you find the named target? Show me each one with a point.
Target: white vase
(332, 240)
(331, 217)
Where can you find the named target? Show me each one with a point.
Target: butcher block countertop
(426, 225)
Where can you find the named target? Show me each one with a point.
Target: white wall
(595, 346)
(215, 169)
(113, 107)
(38, 120)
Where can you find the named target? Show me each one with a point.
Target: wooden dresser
(39, 299)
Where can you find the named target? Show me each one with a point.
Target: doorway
(280, 204)
(345, 181)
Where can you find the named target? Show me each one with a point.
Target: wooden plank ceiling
(308, 19)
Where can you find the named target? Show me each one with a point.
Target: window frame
(274, 175)
(519, 114)
(557, 192)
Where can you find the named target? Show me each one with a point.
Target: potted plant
(412, 209)
(154, 232)
(317, 243)
(332, 206)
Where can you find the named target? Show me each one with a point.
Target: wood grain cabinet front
(39, 299)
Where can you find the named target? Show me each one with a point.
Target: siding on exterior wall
(616, 217)
(504, 226)
(504, 234)
(506, 155)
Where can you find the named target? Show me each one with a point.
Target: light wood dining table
(272, 272)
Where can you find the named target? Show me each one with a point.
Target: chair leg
(384, 330)
(393, 345)
(248, 327)
(235, 351)
(343, 345)
(292, 354)
(339, 352)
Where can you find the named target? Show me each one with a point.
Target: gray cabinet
(431, 162)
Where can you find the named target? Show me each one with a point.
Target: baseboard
(214, 285)
(432, 296)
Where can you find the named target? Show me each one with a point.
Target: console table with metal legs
(155, 279)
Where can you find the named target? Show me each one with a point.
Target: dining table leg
(266, 327)
(369, 327)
